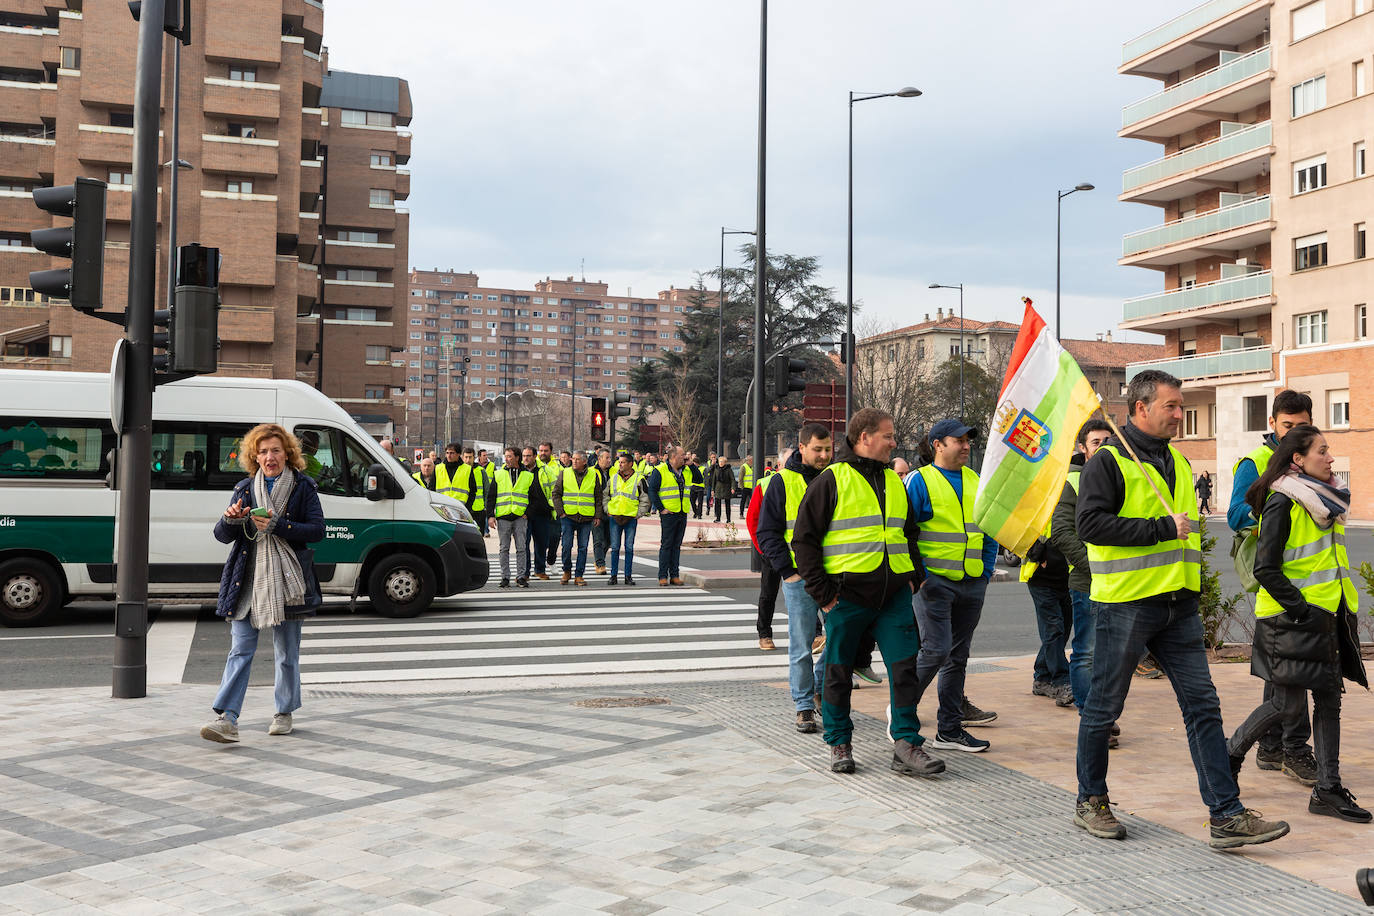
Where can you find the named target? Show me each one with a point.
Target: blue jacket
(302, 524)
(925, 509)
(1239, 514)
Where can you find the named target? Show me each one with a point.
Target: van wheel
(401, 585)
(30, 592)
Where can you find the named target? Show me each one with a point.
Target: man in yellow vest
(746, 484)
(1146, 577)
(958, 561)
(425, 477)
(577, 502)
(600, 543)
(512, 485)
(448, 470)
(539, 521)
(670, 496)
(549, 471)
(855, 547)
(470, 487)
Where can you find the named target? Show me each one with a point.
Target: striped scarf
(1325, 502)
(277, 579)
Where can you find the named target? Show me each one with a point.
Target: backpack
(1243, 547)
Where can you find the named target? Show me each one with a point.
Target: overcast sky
(623, 134)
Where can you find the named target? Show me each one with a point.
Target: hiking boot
(567, 577)
(1301, 766)
(1148, 668)
(600, 570)
(1269, 759)
(629, 581)
(818, 644)
(579, 581)
(806, 721)
(1095, 816)
(505, 583)
(1245, 829)
(960, 741)
(841, 758)
(973, 716)
(523, 582)
(281, 724)
(1064, 697)
(912, 760)
(544, 576)
(614, 580)
(1338, 802)
(220, 730)
(1044, 689)
(766, 643)
(662, 583)
(676, 581)
(867, 673)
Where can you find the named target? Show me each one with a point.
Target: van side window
(320, 448)
(359, 460)
(54, 449)
(196, 456)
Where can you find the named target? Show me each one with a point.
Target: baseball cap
(951, 427)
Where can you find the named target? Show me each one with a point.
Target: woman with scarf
(269, 579)
(1305, 635)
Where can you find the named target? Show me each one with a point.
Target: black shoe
(1366, 885)
(806, 721)
(505, 583)
(629, 581)
(1337, 802)
(911, 760)
(841, 758)
(1302, 767)
(523, 582)
(615, 580)
(1245, 829)
(1269, 760)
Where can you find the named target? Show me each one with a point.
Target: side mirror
(378, 483)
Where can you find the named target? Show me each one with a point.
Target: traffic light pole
(130, 675)
(749, 392)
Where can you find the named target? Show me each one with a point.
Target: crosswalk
(547, 629)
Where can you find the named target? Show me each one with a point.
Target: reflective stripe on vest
(796, 489)
(1134, 573)
(674, 497)
(951, 544)
(1317, 564)
(624, 495)
(859, 537)
(746, 477)
(447, 485)
(512, 499)
(579, 499)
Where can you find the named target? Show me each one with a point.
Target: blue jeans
(625, 532)
(803, 624)
(582, 527)
(537, 543)
(1053, 618)
(947, 613)
(1169, 626)
(672, 526)
(286, 649)
(1084, 638)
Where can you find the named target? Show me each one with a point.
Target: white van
(392, 540)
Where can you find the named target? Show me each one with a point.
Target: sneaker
(1095, 816)
(505, 583)
(1269, 759)
(629, 581)
(868, 674)
(1338, 802)
(220, 730)
(1147, 668)
(1044, 689)
(960, 741)
(1364, 880)
(567, 577)
(806, 721)
(281, 724)
(614, 580)
(911, 760)
(841, 758)
(766, 643)
(1301, 766)
(523, 582)
(889, 723)
(818, 644)
(972, 716)
(1064, 697)
(1245, 829)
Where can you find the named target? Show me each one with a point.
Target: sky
(622, 136)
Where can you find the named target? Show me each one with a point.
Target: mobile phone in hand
(261, 512)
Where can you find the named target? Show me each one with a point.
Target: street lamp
(960, 288)
(907, 92)
(1058, 222)
(720, 339)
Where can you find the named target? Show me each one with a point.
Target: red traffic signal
(598, 419)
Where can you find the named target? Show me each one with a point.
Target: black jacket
(539, 504)
(1305, 646)
(1064, 533)
(871, 589)
(772, 523)
(1102, 490)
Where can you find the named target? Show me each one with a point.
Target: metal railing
(1245, 140)
(1177, 27)
(1199, 226)
(1234, 289)
(1208, 365)
(1233, 71)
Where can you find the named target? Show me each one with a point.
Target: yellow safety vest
(675, 498)
(579, 499)
(1259, 456)
(1314, 560)
(796, 489)
(445, 484)
(860, 536)
(471, 480)
(1123, 574)
(548, 476)
(951, 544)
(746, 477)
(624, 495)
(513, 499)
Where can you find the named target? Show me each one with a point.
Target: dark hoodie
(871, 589)
(773, 517)
(1102, 490)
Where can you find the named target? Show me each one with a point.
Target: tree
(686, 425)
(898, 378)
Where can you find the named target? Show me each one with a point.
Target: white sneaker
(889, 723)
(220, 730)
(281, 724)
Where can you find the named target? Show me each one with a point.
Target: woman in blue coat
(269, 579)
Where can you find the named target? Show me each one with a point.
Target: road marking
(169, 646)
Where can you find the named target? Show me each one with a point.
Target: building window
(382, 157)
(378, 353)
(239, 185)
(1190, 428)
(1338, 404)
(375, 394)
(1309, 96)
(355, 314)
(1309, 19)
(1311, 328)
(243, 74)
(379, 197)
(121, 119)
(1256, 414)
(1357, 77)
(356, 235)
(1309, 251)
(1309, 174)
(242, 129)
(1359, 159)
(121, 177)
(349, 116)
(1361, 322)
(1359, 241)
(71, 58)
(60, 347)
(357, 275)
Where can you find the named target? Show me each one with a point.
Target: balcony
(1185, 39)
(239, 155)
(237, 98)
(402, 147)
(1222, 364)
(30, 157)
(402, 184)
(28, 103)
(1223, 231)
(105, 144)
(1238, 84)
(1233, 297)
(1241, 154)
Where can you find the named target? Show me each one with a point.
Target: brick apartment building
(559, 336)
(252, 130)
(1263, 117)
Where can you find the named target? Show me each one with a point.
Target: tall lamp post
(960, 288)
(907, 92)
(720, 340)
(1058, 223)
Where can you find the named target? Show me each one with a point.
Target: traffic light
(785, 381)
(598, 419)
(191, 339)
(621, 401)
(176, 18)
(83, 241)
(846, 347)
(112, 475)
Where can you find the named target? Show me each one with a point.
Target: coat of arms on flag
(1023, 432)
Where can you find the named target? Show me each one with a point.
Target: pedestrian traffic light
(191, 339)
(785, 379)
(176, 17)
(598, 419)
(83, 241)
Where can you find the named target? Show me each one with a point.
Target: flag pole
(1168, 510)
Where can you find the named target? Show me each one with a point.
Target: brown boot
(579, 581)
(911, 760)
(544, 576)
(567, 577)
(841, 758)
(676, 581)
(663, 583)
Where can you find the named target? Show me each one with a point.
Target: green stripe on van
(347, 540)
(69, 538)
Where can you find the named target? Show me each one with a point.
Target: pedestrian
(1305, 637)
(425, 477)
(539, 520)
(1204, 493)
(770, 578)
(489, 496)
(1064, 536)
(447, 472)
(709, 476)
(1146, 576)
(855, 548)
(268, 581)
(1286, 745)
(669, 496)
(957, 562)
(723, 486)
(626, 502)
(550, 469)
(779, 498)
(604, 470)
(1046, 574)
(697, 483)
(577, 502)
(900, 467)
(513, 485)
(470, 488)
(746, 483)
